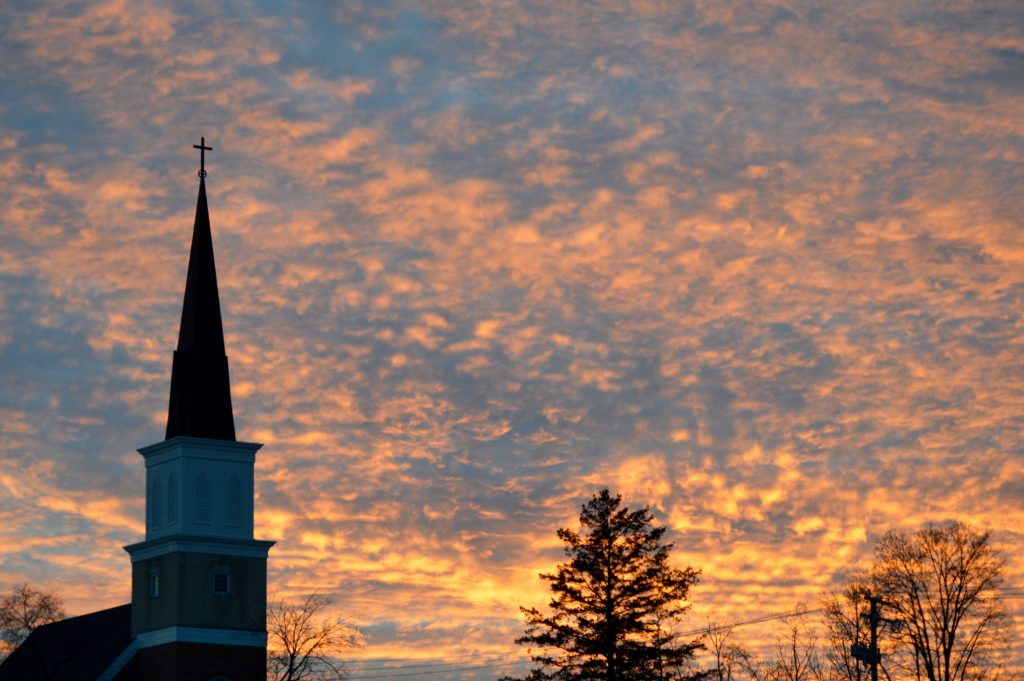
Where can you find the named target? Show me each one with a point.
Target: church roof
(200, 401)
(75, 649)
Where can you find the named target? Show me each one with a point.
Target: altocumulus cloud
(757, 267)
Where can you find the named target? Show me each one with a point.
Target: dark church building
(199, 580)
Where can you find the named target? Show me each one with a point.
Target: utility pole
(870, 654)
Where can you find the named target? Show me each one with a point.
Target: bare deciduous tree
(305, 644)
(846, 625)
(22, 612)
(794, 655)
(941, 584)
(728, 657)
(753, 667)
(796, 652)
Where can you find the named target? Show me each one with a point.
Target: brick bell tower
(199, 580)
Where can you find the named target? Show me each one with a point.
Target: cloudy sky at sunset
(759, 266)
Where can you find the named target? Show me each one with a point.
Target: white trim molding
(119, 663)
(219, 637)
(199, 448)
(183, 543)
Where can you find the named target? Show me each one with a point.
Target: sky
(757, 266)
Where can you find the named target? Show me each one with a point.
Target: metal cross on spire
(202, 155)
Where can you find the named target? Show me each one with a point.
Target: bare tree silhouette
(303, 643)
(23, 611)
(941, 585)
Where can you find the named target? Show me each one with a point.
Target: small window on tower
(154, 584)
(221, 582)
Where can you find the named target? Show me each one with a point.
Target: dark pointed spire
(200, 404)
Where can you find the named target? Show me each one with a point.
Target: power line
(431, 664)
(1006, 592)
(375, 660)
(439, 671)
(757, 620)
(400, 671)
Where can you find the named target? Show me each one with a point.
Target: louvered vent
(172, 500)
(154, 502)
(203, 499)
(234, 501)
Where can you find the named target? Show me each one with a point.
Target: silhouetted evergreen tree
(615, 602)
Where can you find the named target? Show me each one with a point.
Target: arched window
(154, 502)
(203, 499)
(234, 501)
(172, 499)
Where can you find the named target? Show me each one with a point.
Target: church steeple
(200, 401)
(199, 580)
